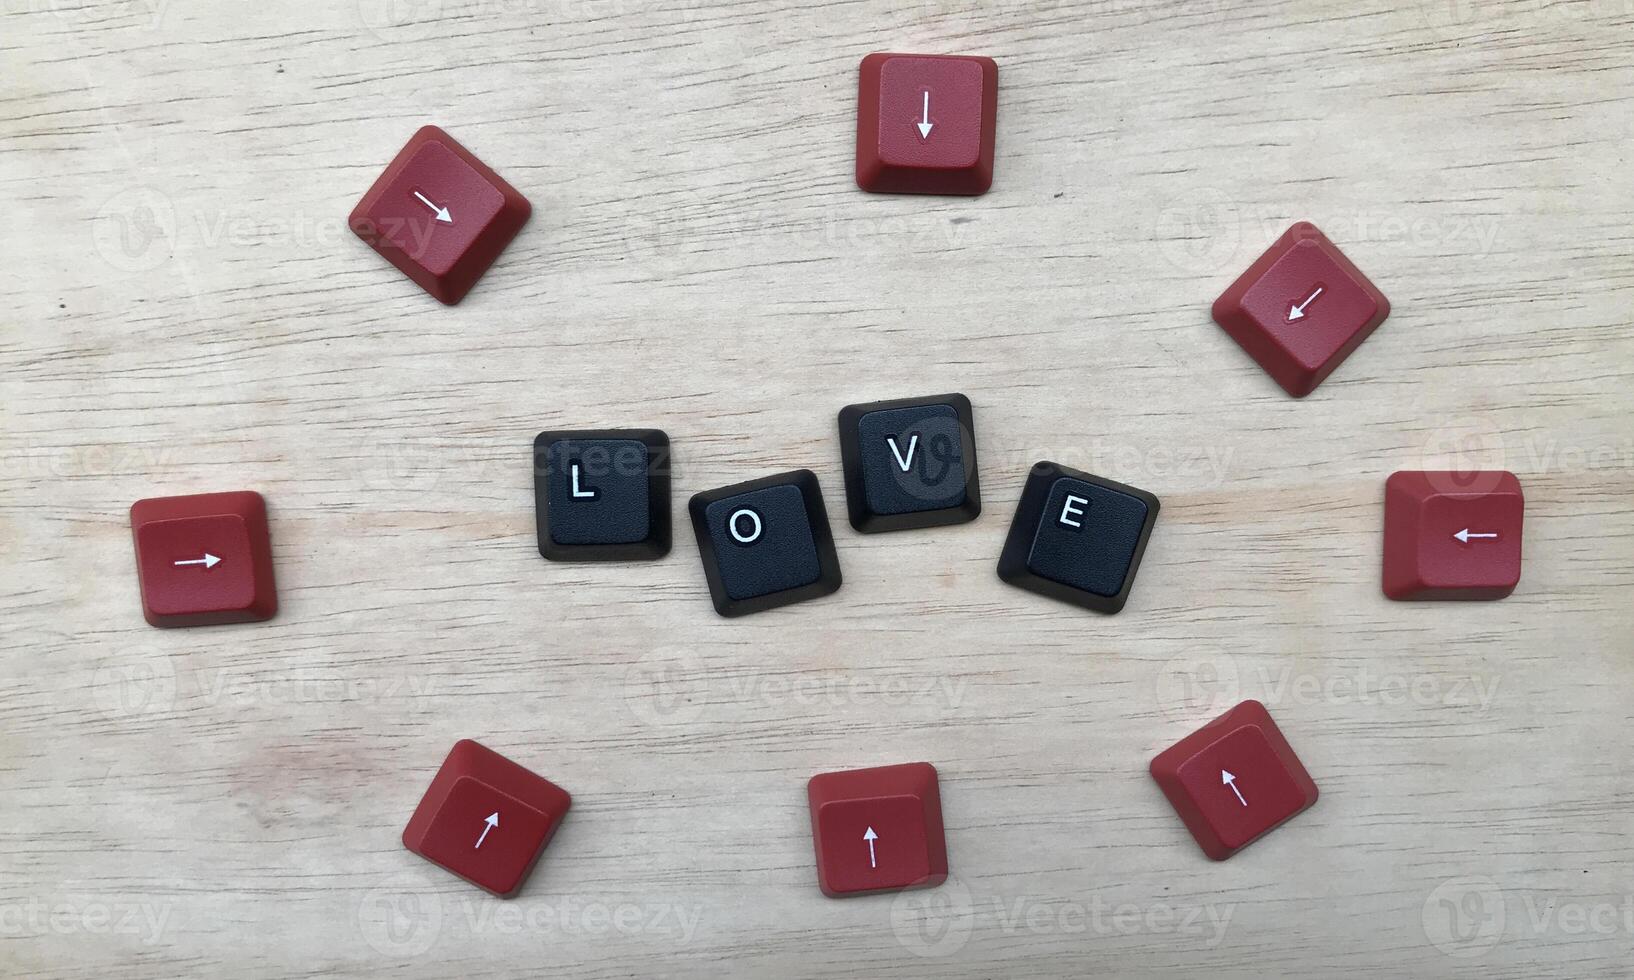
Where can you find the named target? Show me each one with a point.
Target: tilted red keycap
(1450, 535)
(878, 829)
(1301, 309)
(440, 215)
(926, 124)
(1234, 780)
(204, 559)
(486, 819)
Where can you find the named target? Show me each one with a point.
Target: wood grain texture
(186, 312)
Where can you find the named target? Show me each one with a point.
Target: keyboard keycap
(1234, 780)
(602, 495)
(1078, 538)
(486, 819)
(205, 559)
(1301, 309)
(440, 215)
(910, 463)
(878, 829)
(926, 124)
(1451, 535)
(765, 543)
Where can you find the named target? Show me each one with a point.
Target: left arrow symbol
(1296, 311)
(441, 213)
(1228, 778)
(208, 561)
(490, 822)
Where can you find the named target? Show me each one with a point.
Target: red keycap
(486, 819)
(877, 829)
(1301, 309)
(925, 124)
(1452, 535)
(204, 560)
(440, 215)
(1234, 780)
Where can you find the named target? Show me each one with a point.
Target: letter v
(905, 463)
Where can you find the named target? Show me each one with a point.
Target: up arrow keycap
(1192, 773)
(846, 809)
(457, 822)
(208, 561)
(490, 823)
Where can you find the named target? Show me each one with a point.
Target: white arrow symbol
(442, 213)
(208, 561)
(1466, 534)
(491, 822)
(925, 124)
(1227, 779)
(1298, 312)
(870, 837)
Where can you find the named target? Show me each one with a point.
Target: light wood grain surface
(185, 312)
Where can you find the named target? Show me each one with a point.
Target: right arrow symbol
(870, 837)
(924, 123)
(441, 214)
(1296, 311)
(1227, 779)
(1465, 535)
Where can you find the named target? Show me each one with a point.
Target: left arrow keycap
(180, 539)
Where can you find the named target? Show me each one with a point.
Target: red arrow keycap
(1450, 535)
(925, 124)
(486, 819)
(440, 215)
(1234, 780)
(204, 560)
(1301, 309)
(878, 829)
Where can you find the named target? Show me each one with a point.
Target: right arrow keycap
(440, 215)
(1234, 780)
(204, 559)
(1452, 535)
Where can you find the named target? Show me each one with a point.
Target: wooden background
(186, 312)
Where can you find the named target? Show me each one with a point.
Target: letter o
(733, 521)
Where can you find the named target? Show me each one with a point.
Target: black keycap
(602, 495)
(765, 543)
(1077, 538)
(910, 463)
